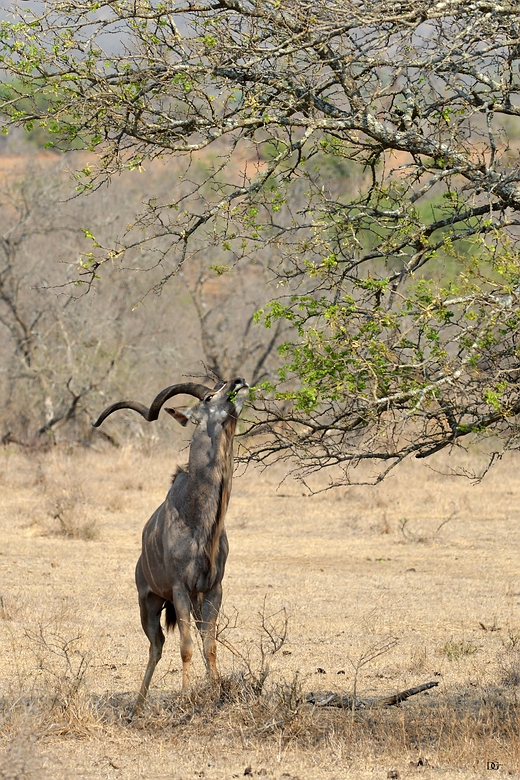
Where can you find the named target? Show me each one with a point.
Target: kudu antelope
(185, 546)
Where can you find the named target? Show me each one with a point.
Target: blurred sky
(110, 42)
(6, 7)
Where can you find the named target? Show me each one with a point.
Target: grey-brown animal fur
(185, 545)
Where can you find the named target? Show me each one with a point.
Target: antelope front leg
(182, 605)
(210, 607)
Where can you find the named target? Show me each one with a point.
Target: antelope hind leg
(150, 607)
(182, 604)
(207, 627)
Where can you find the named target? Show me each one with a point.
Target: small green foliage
(454, 651)
(219, 269)
(355, 348)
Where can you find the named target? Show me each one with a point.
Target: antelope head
(223, 403)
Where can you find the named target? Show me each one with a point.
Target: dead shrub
(51, 682)
(60, 505)
(411, 536)
(69, 507)
(509, 661)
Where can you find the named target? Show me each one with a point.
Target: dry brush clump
(51, 695)
(508, 661)
(67, 505)
(69, 508)
(260, 708)
(62, 501)
(48, 692)
(458, 728)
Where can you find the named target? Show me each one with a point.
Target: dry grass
(334, 582)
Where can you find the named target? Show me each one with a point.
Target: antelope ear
(179, 416)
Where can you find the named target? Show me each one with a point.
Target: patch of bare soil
(365, 590)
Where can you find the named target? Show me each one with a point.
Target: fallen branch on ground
(331, 699)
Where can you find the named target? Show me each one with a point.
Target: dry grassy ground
(424, 559)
